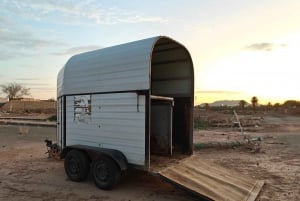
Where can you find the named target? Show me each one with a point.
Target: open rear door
(211, 181)
(161, 125)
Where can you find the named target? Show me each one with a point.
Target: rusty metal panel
(212, 181)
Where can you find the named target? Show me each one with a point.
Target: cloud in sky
(10, 33)
(30, 82)
(37, 87)
(265, 46)
(17, 42)
(19, 37)
(43, 89)
(77, 50)
(217, 92)
(77, 12)
(27, 79)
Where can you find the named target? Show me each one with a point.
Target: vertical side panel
(147, 131)
(113, 121)
(59, 122)
(64, 122)
(60, 129)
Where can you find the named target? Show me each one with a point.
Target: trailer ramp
(211, 181)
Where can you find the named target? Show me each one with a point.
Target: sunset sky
(240, 49)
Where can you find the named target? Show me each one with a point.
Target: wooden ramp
(211, 181)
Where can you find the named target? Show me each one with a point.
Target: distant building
(4, 100)
(24, 99)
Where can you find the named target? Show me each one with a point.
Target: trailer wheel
(106, 173)
(77, 165)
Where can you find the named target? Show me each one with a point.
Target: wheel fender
(94, 152)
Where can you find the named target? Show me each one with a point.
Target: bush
(52, 118)
(201, 124)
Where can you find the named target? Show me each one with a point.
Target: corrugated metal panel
(175, 51)
(173, 88)
(127, 67)
(116, 121)
(60, 82)
(171, 72)
(212, 181)
(119, 68)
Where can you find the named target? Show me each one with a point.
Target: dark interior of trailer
(172, 96)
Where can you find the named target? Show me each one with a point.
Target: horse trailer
(131, 106)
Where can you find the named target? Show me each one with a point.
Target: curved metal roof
(125, 67)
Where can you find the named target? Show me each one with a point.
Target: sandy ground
(27, 174)
(275, 159)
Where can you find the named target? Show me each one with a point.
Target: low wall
(29, 106)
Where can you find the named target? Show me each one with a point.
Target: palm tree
(242, 104)
(206, 105)
(269, 106)
(254, 102)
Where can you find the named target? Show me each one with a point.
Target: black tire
(106, 173)
(77, 165)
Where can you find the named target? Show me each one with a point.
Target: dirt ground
(27, 174)
(275, 159)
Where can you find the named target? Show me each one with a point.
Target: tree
(206, 106)
(254, 102)
(242, 104)
(276, 106)
(291, 103)
(269, 106)
(14, 90)
(51, 100)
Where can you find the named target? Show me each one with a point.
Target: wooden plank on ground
(212, 181)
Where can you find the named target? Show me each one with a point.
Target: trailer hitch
(52, 149)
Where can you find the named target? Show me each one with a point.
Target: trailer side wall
(113, 121)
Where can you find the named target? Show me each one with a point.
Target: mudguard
(93, 152)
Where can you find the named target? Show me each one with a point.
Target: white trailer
(130, 105)
(127, 102)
